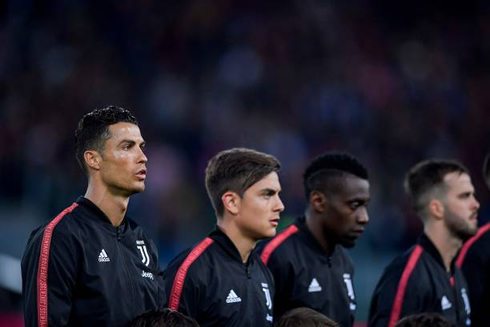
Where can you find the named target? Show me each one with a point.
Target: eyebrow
(270, 191)
(132, 142)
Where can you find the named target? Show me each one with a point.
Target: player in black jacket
(425, 278)
(474, 260)
(92, 265)
(310, 266)
(222, 281)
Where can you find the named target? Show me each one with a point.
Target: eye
(354, 205)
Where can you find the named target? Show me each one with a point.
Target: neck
(446, 243)
(114, 207)
(244, 244)
(314, 226)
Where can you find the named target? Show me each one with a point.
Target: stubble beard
(460, 227)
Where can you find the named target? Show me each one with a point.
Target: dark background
(392, 82)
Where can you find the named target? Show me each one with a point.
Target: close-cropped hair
(425, 181)
(427, 319)
(331, 165)
(235, 170)
(163, 318)
(93, 130)
(305, 317)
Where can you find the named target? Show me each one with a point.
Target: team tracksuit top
(306, 277)
(417, 282)
(80, 270)
(211, 284)
(474, 260)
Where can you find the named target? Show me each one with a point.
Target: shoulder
(280, 246)
(191, 261)
(58, 228)
(404, 267)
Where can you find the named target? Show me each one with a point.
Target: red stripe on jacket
(469, 243)
(402, 286)
(179, 280)
(42, 269)
(276, 241)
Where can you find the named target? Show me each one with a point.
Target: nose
(476, 204)
(363, 217)
(279, 205)
(142, 157)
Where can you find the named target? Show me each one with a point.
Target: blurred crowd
(391, 82)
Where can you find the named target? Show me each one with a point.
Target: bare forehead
(123, 130)
(458, 180)
(270, 181)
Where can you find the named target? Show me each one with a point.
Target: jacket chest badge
(103, 257)
(445, 304)
(268, 299)
(314, 286)
(350, 291)
(140, 244)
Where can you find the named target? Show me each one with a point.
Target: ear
(436, 209)
(92, 159)
(318, 201)
(231, 202)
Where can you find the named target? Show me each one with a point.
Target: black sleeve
(184, 288)
(476, 270)
(415, 299)
(283, 274)
(57, 286)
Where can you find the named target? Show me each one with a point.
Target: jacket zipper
(118, 233)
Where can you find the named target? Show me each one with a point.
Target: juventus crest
(140, 244)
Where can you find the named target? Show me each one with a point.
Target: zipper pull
(247, 269)
(118, 233)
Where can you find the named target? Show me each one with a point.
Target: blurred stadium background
(392, 82)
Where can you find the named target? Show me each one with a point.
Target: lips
(275, 222)
(358, 232)
(141, 174)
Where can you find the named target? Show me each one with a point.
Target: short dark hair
(93, 130)
(305, 317)
(426, 319)
(328, 165)
(236, 170)
(486, 170)
(427, 177)
(163, 318)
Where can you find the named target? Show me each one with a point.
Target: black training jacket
(474, 260)
(211, 284)
(417, 282)
(80, 270)
(306, 277)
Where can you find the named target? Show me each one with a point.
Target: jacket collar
(100, 217)
(229, 247)
(310, 239)
(431, 249)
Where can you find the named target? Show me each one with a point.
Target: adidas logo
(445, 304)
(314, 286)
(233, 298)
(103, 257)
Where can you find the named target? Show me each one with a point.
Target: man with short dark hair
(428, 319)
(163, 318)
(305, 317)
(311, 268)
(221, 281)
(474, 261)
(425, 278)
(92, 265)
